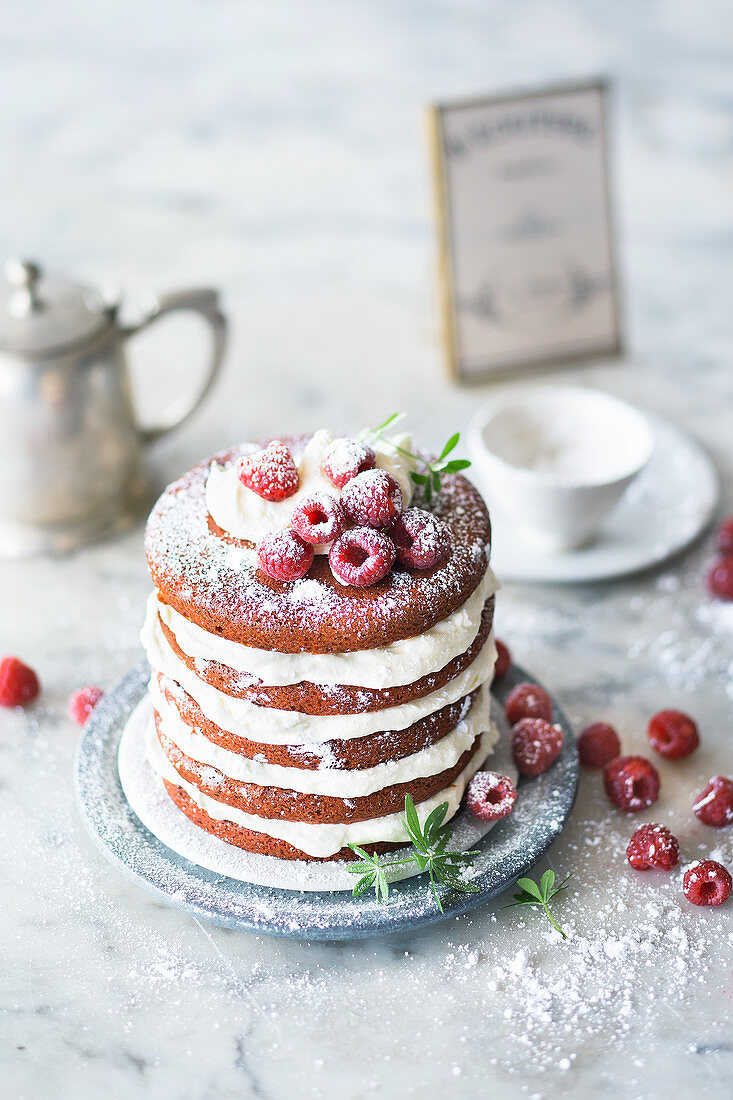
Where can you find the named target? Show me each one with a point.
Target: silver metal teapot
(71, 465)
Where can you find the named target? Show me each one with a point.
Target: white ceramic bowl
(554, 460)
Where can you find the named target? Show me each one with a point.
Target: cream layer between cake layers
(398, 664)
(321, 841)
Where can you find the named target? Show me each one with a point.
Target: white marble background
(275, 150)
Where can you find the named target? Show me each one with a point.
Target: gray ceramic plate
(508, 851)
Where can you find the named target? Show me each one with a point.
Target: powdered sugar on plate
(148, 798)
(541, 812)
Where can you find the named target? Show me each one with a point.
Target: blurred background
(277, 151)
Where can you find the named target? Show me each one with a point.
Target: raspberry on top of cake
(239, 494)
(220, 554)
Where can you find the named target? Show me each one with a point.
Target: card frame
(442, 221)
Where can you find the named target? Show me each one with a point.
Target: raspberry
(706, 882)
(372, 499)
(346, 458)
(673, 734)
(83, 701)
(714, 805)
(632, 783)
(491, 796)
(598, 744)
(527, 701)
(18, 683)
(724, 537)
(270, 473)
(503, 660)
(284, 556)
(420, 539)
(720, 578)
(361, 556)
(535, 745)
(319, 519)
(653, 847)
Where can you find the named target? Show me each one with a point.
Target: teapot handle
(205, 302)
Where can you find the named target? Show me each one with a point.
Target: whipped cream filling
(401, 662)
(327, 839)
(242, 513)
(289, 727)
(336, 783)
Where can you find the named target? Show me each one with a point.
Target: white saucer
(665, 509)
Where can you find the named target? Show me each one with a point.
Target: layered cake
(320, 639)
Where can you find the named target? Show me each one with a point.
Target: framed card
(527, 272)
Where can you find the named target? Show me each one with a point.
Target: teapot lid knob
(23, 275)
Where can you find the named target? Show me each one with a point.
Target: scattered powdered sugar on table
(642, 983)
(638, 958)
(690, 644)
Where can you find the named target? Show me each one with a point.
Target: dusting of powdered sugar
(147, 796)
(215, 580)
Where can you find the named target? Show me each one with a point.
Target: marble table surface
(275, 150)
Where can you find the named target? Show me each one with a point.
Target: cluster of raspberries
(632, 784)
(536, 744)
(20, 686)
(364, 523)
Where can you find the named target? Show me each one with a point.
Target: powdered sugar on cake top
(213, 579)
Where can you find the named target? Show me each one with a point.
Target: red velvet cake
(321, 644)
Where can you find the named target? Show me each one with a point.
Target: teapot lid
(41, 313)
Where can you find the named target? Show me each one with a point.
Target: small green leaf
(455, 860)
(360, 852)
(458, 884)
(433, 822)
(530, 887)
(436, 481)
(445, 834)
(391, 421)
(359, 868)
(413, 821)
(421, 860)
(541, 895)
(419, 479)
(546, 883)
(455, 465)
(363, 885)
(452, 442)
(434, 888)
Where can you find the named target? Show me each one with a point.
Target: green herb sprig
(428, 854)
(541, 895)
(430, 479)
(372, 870)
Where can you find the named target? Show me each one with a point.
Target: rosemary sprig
(540, 896)
(428, 854)
(433, 469)
(372, 870)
